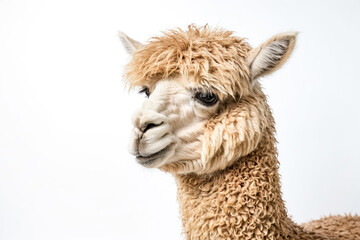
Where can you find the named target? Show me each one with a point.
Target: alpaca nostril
(151, 125)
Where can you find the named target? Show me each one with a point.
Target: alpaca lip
(149, 160)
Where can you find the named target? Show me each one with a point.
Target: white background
(65, 172)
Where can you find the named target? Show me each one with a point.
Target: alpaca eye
(208, 99)
(145, 90)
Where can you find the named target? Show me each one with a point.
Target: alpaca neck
(241, 202)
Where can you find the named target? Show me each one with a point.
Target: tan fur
(230, 188)
(213, 59)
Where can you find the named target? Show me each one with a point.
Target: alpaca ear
(130, 44)
(271, 55)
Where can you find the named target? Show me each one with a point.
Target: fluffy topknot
(210, 57)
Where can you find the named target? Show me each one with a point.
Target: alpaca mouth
(149, 161)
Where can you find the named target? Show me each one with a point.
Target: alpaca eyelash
(142, 90)
(145, 90)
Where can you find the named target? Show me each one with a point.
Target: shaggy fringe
(212, 58)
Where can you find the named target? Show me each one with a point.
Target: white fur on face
(176, 125)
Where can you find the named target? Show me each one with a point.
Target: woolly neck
(241, 202)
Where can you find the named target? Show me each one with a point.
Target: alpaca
(207, 122)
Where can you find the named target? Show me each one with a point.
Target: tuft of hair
(210, 57)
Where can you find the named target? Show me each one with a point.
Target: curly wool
(244, 202)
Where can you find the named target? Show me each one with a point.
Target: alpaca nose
(149, 125)
(146, 120)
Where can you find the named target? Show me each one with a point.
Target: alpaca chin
(157, 159)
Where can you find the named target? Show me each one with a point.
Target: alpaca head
(204, 107)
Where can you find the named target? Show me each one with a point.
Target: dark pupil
(207, 98)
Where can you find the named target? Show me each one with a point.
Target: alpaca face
(205, 108)
(169, 126)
